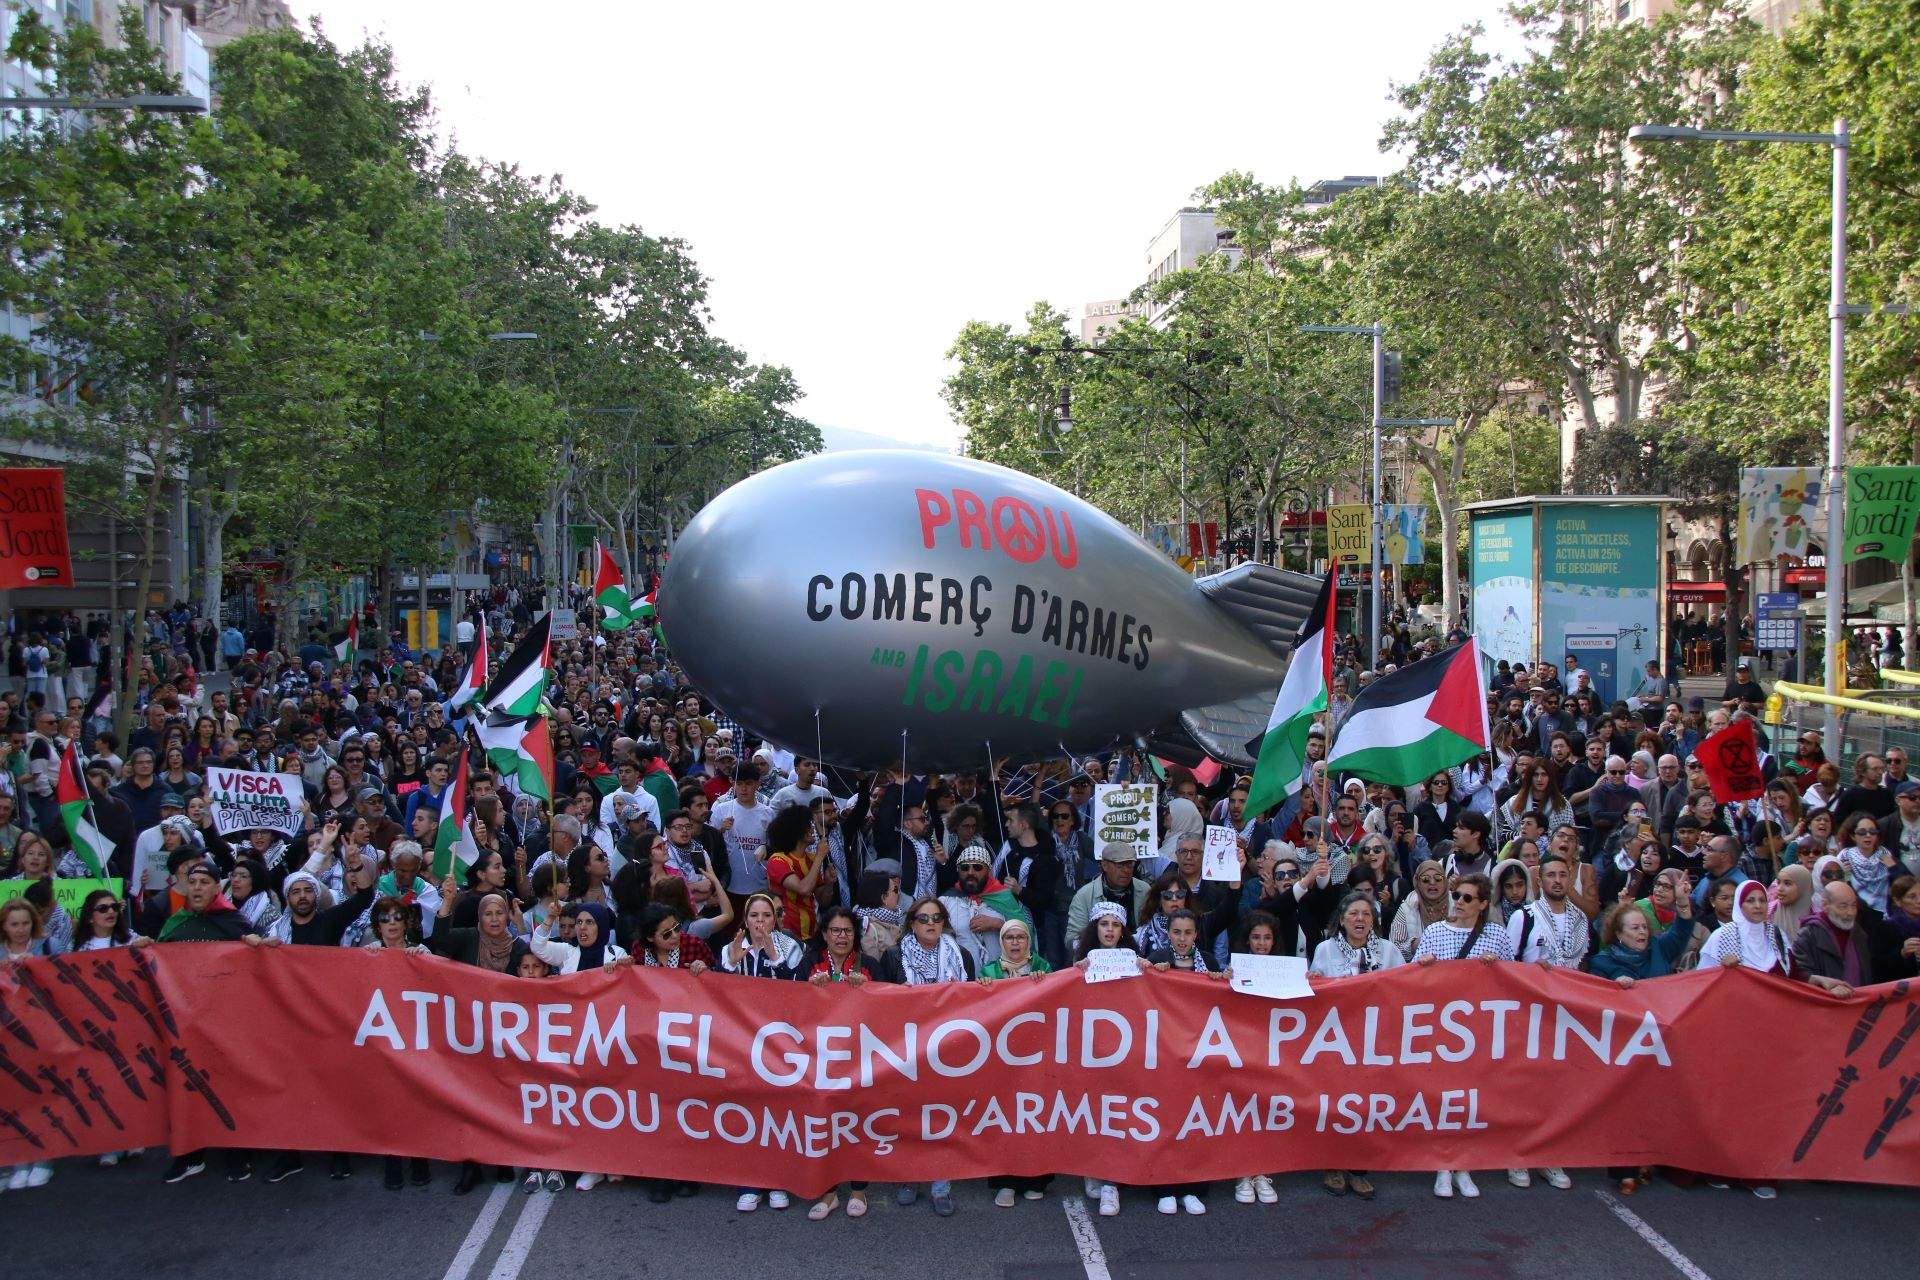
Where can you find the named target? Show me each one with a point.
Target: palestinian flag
(347, 652)
(76, 809)
(453, 850)
(610, 592)
(1280, 754)
(1000, 900)
(475, 680)
(517, 689)
(1405, 727)
(522, 750)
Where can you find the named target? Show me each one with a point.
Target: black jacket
(1817, 955)
(328, 926)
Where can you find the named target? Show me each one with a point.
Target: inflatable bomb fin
(1269, 603)
(1221, 731)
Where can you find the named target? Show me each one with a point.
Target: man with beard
(306, 923)
(1117, 884)
(979, 905)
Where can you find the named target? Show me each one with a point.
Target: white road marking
(1086, 1239)
(1659, 1243)
(483, 1223)
(514, 1253)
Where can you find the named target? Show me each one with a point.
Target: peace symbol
(1017, 527)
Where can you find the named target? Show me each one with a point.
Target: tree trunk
(217, 510)
(157, 460)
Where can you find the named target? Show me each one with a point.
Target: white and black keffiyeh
(1444, 941)
(923, 967)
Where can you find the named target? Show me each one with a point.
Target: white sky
(858, 181)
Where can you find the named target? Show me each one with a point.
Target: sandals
(823, 1207)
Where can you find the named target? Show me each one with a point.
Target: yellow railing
(1789, 692)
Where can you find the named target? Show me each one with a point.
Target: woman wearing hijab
(488, 945)
(1827, 869)
(592, 947)
(1017, 960)
(252, 894)
(1512, 890)
(1791, 899)
(1426, 905)
(1183, 823)
(1749, 939)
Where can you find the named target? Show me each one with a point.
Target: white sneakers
(1258, 1187)
(1519, 1177)
(748, 1201)
(1193, 1204)
(1556, 1178)
(1448, 1181)
(777, 1200)
(1443, 1184)
(1109, 1200)
(588, 1181)
(1463, 1183)
(1167, 1204)
(1003, 1198)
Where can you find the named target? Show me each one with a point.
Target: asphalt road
(90, 1218)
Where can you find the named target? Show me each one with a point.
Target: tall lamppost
(1839, 142)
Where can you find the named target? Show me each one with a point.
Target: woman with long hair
(761, 949)
(1538, 792)
(1870, 864)
(336, 796)
(664, 944)
(251, 892)
(203, 748)
(1435, 814)
(33, 862)
(1167, 894)
(104, 922)
(835, 962)
(489, 944)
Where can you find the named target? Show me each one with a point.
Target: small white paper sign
(1275, 977)
(1222, 856)
(1109, 964)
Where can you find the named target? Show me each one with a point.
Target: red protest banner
(1731, 758)
(33, 528)
(746, 1081)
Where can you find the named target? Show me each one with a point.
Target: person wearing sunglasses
(103, 922)
(1466, 934)
(927, 954)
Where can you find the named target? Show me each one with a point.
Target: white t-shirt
(746, 839)
(793, 793)
(463, 631)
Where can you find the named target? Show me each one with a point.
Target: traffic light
(1392, 373)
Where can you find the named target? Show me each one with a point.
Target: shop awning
(1696, 592)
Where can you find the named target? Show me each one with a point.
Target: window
(1624, 11)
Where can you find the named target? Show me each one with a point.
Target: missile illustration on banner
(12, 1120)
(196, 1081)
(65, 971)
(125, 994)
(98, 1097)
(60, 1086)
(1908, 1029)
(1898, 1108)
(836, 603)
(59, 1126)
(103, 1042)
(151, 1061)
(42, 999)
(12, 1068)
(14, 1027)
(145, 966)
(1832, 1103)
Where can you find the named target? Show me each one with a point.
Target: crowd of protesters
(1587, 838)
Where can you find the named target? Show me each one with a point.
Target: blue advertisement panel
(1599, 578)
(1502, 575)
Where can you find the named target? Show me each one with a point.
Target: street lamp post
(1839, 141)
(1378, 333)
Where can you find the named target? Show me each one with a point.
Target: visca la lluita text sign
(745, 1081)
